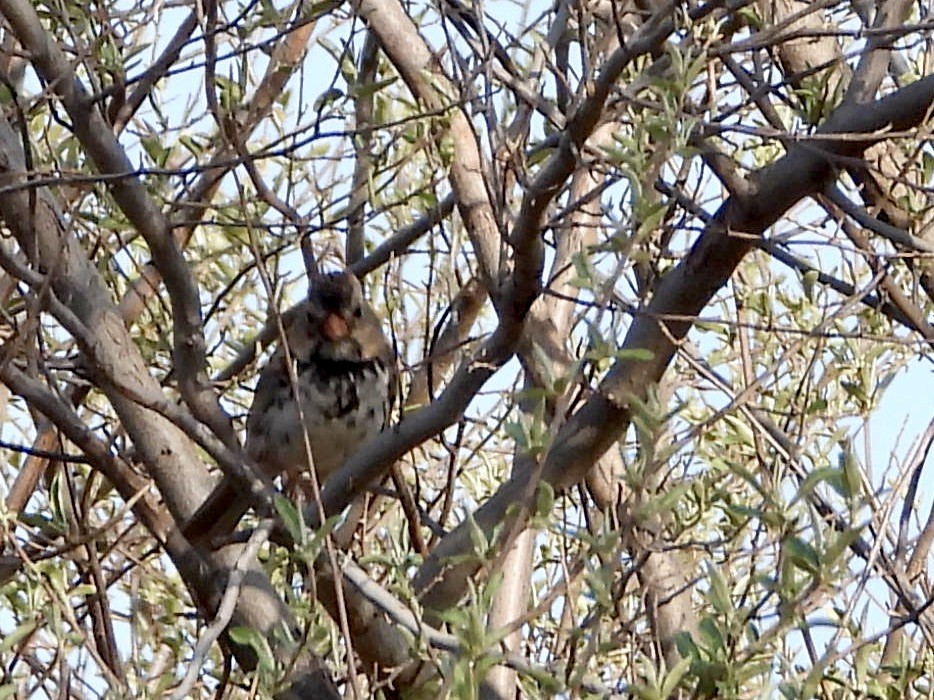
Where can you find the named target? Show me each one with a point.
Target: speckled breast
(343, 404)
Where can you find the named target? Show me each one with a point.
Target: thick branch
(681, 295)
(130, 194)
(373, 459)
(166, 452)
(409, 53)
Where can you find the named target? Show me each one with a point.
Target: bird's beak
(334, 328)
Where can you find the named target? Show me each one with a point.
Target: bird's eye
(357, 312)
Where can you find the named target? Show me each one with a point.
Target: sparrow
(344, 370)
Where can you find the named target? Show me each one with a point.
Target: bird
(345, 371)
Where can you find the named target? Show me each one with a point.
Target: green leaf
(11, 639)
(326, 98)
(686, 646)
(154, 149)
(249, 637)
(320, 8)
(927, 166)
(674, 676)
(713, 639)
(839, 545)
(813, 479)
(670, 497)
(477, 537)
(634, 354)
(291, 518)
(517, 432)
(809, 280)
(83, 589)
(544, 499)
(719, 594)
(539, 155)
(851, 484)
(802, 554)
(366, 89)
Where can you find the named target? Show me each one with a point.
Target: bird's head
(338, 323)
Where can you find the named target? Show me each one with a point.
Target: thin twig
(225, 609)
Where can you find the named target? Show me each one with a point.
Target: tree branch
(680, 296)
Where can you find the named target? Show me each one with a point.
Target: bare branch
(225, 610)
(680, 296)
(130, 193)
(413, 59)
